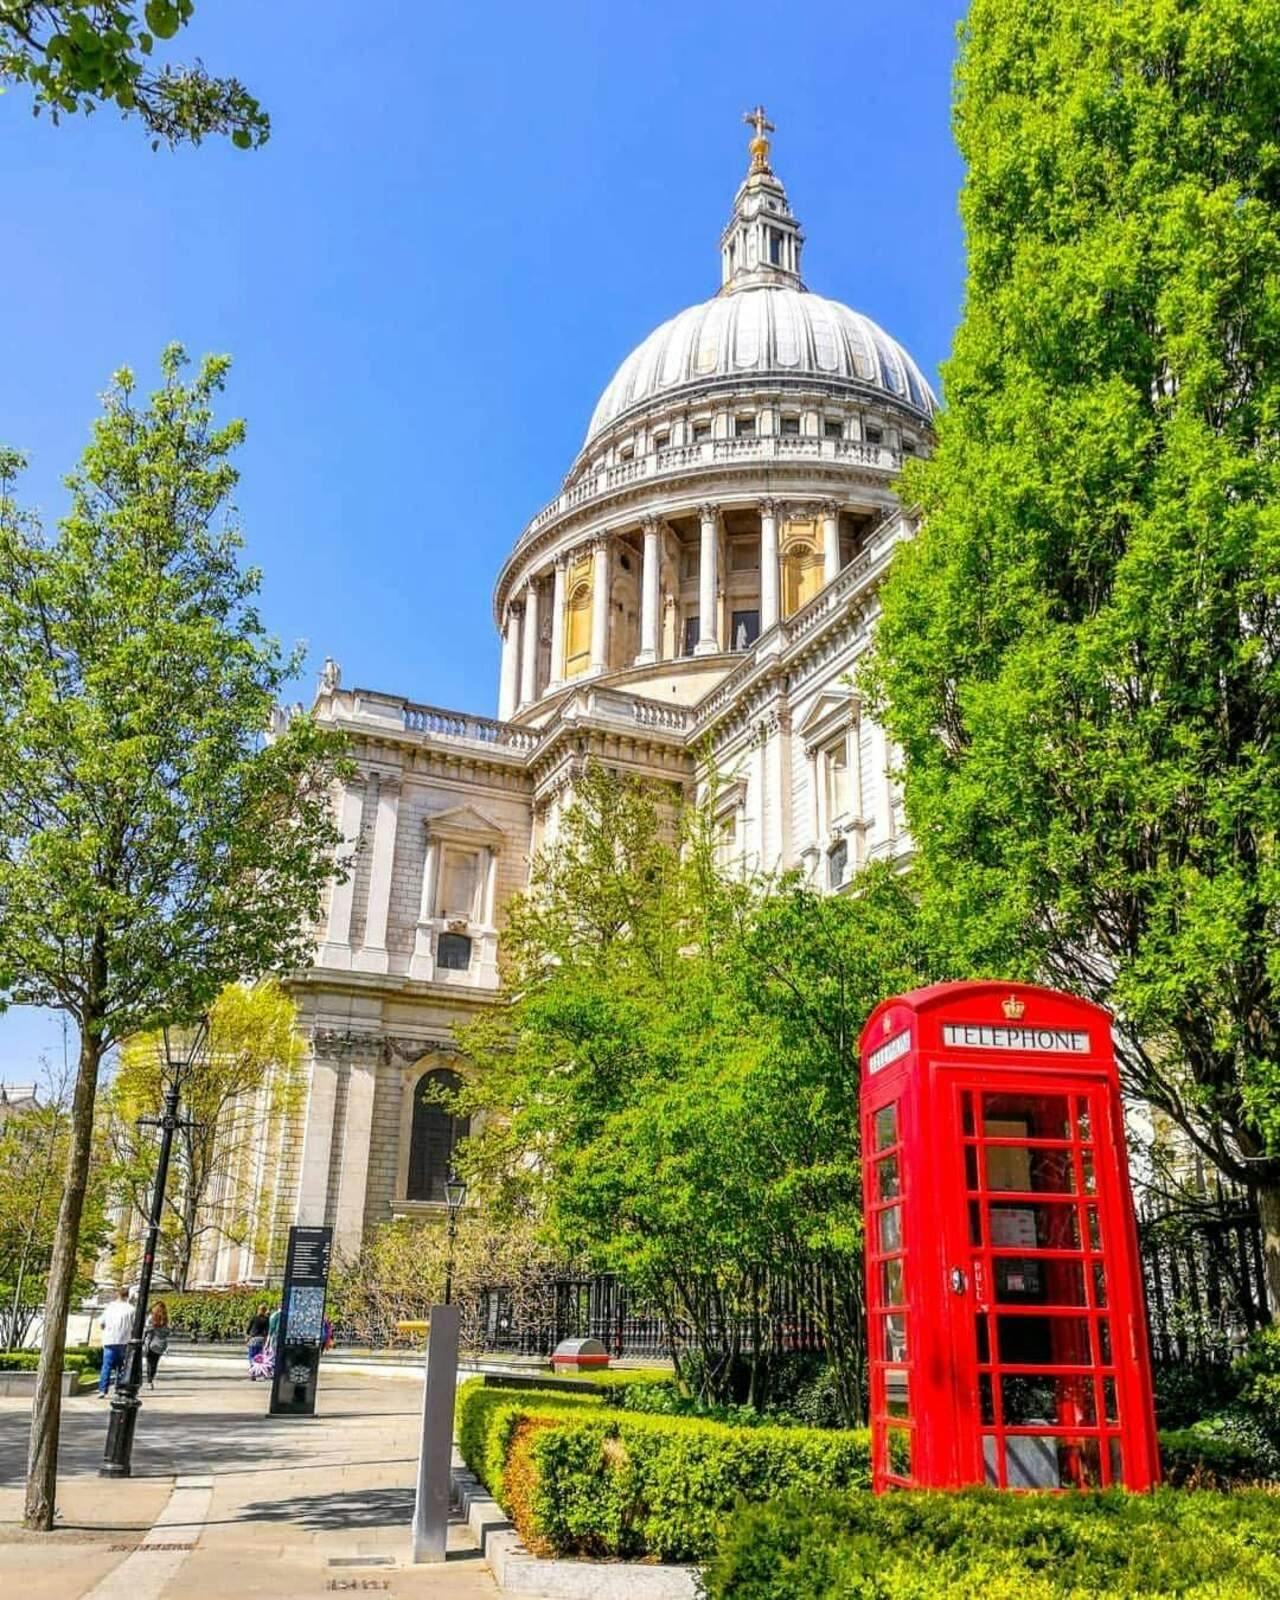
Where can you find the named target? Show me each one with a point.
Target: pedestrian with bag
(256, 1336)
(155, 1341)
(117, 1326)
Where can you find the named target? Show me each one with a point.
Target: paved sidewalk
(283, 1507)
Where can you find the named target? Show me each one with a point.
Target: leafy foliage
(592, 1480)
(34, 1145)
(154, 844)
(983, 1545)
(672, 1089)
(79, 54)
(1080, 655)
(247, 1072)
(215, 1315)
(400, 1273)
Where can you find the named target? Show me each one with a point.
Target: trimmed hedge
(983, 1545)
(215, 1315)
(76, 1358)
(580, 1477)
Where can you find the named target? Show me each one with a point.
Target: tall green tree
(77, 55)
(679, 1056)
(1078, 655)
(243, 1085)
(154, 845)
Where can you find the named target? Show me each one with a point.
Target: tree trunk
(46, 1408)
(1269, 1212)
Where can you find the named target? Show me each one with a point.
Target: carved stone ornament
(330, 676)
(396, 1048)
(768, 508)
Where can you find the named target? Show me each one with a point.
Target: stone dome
(771, 332)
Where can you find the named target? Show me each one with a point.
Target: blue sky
(465, 219)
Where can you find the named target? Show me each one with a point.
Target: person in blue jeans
(117, 1326)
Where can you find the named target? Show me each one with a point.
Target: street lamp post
(117, 1457)
(455, 1197)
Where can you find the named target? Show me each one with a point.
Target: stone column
(830, 540)
(509, 683)
(529, 672)
(353, 1173)
(708, 643)
(649, 593)
(422, 964)
(317, 1138)
(768, 564)
(557, 624)
(337, 937)
(372, 957)
(599, 605)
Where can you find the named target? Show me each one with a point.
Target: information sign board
(300, 1334)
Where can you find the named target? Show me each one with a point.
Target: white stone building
(705, 579)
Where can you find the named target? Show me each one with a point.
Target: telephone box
(1007, 1337)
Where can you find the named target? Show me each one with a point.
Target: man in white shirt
(117, 1325)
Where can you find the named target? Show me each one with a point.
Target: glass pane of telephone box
(1025, 1116)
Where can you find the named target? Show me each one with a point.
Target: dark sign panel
(300, 1334)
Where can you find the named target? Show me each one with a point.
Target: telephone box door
(1041, 1269)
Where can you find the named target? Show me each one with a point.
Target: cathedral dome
(774, 332)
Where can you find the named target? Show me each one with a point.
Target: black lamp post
(455, 1197)
(117, 1457)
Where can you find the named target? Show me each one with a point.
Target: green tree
(154, 845)
(34, 1143)
(679, 1056)
(245, 1081)
(79, 54)
(1078, 655)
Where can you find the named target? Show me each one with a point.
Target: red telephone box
(1008, 1340)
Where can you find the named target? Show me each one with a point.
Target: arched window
(801, 575)
(577, 630)
(436, 1133)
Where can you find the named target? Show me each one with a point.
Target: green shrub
(981, 1545)
(1222, 1452)
(220, 1315)
(598, 1480)
(1186, 1394)
(486, 1417)
(76, 1360)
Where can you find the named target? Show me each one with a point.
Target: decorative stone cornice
(401, 1049)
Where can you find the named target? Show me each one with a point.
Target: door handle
(959, 1283)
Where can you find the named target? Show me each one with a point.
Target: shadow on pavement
(353, 1508)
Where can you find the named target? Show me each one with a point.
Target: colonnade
(521, 632)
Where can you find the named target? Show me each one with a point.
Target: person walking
(155, 1341)
(117, 1325)
(256, 1335)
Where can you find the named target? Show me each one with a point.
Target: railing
(649, 715)
(1203, 1271)
(709, 453)
(442, 724)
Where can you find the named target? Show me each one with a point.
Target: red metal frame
(1007, 1329)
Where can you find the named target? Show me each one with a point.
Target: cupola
(762, 241)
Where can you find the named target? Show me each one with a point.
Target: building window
(577, 630)
(909, 447)
(459, 882)
(874, 435)
(744, 427)
(701, 430)
(802, 570)
(839, 790)
(690, 635)
(745, 630)
(626, 453)
(775, 247)
(726, 840)
(832, 428)
(435, 1135)
(453, 952)
(791, 427)
(838, 864)
(661, 441)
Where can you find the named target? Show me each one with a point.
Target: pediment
(832, 710)
(464, 824)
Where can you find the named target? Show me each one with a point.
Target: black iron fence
(780, 1319)
(1203, 1270)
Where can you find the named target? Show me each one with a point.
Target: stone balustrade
(710, 453)
(461, 725)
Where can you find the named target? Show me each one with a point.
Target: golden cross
(758, 121)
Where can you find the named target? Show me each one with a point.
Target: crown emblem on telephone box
(1013, 1008)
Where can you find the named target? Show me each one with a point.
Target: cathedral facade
(693, 601)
